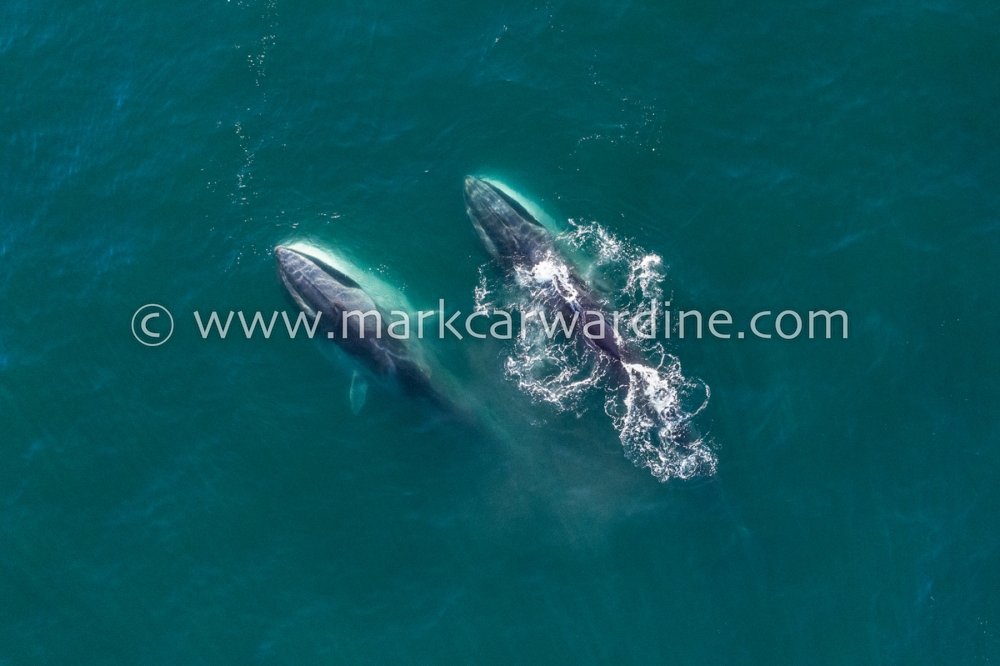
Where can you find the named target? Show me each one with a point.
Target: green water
(215, 501)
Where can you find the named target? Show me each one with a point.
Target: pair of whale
(510, 233)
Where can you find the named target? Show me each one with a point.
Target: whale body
(317, 286)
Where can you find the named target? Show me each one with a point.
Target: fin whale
(516, 238)
(518, 241)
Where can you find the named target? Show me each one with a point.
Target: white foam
(653, 416)
(654, 426)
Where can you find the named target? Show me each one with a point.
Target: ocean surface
(216, 501)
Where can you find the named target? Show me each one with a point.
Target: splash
(617, 266)
(653, 411)
(556, 371)
(654, 421)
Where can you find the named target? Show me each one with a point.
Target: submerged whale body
(516, 239)
(316, 286)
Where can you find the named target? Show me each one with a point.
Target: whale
(516, 239)
(323, 287)
(511, 230)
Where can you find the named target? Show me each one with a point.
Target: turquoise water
(215, 501)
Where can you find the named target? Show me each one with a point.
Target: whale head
(508, 231)
(316, 286)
